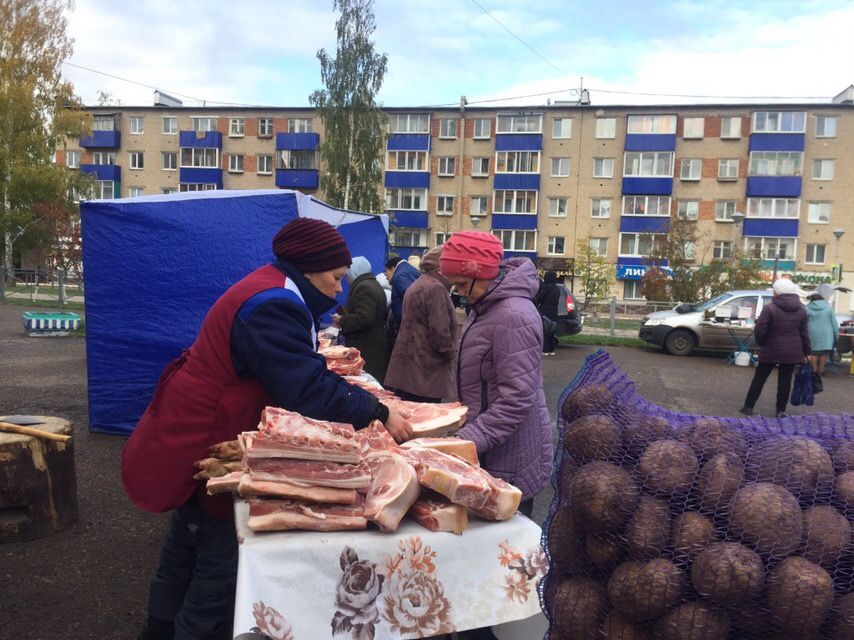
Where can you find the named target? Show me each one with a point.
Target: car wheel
(680, 342)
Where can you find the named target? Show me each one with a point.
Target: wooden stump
(38, 484)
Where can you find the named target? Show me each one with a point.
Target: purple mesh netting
(679, 526)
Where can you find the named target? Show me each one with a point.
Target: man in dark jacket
(783, 338)
(401, 275)
(547, 299)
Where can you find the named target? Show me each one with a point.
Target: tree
(594, 275)
(352, 119)
(38, 111)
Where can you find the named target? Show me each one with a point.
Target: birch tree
(352, 120)
(593, 273)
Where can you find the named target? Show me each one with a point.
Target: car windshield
(708, 304)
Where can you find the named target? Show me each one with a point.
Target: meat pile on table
(345, 361)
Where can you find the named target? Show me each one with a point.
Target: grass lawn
(605, 323)
(605, 341)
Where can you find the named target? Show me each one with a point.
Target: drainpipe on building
(462, 158)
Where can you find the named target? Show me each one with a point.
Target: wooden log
(38, 482)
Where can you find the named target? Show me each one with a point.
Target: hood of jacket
(517, 278)
(818, 305)
(430, 265)
(788, 302)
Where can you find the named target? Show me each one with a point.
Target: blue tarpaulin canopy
(154, 265)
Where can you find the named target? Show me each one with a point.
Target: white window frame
(447, 128)
(482, 206)
(265, 127)
(185, 187)
(264, 159)
(418, 160)
(815, 211)
(447, 167)
(445, 205)
(136, 192)
(606, 128)
(776, 163)
(694, 169)
(235, 163)
(822, 124)
(102, 187)
(169, 125)
(769, 208)
(651, 123)
(730, 127)
(693, 128)
(722, 250)
(561, 173)
(725, 169)
(768, 246)
(687, 209)
(551, 245)
(203, 123)
(442, 238)
(603, 167)
(517, 199)
(204, 157)
(172, 164)
(519, 123)
(635, 205)
(601, 207)
(517, 158)
(103, 123)
(633, 290)
(636, 244)
(778, 122)
(480, 173)
(72, 159)
(662, 164)
(300, 125)
(480, 124)
(599, 246)
(136, 124)
(167, 190)
(236, 127)
(296, 159)
(409, 123)
(558, 206)
(414, 237)
(724, 210)
(808, 259)
(517, 237)
(396, 198)
(136, 160)
(103, 158)
(820, 168)
(561, 128)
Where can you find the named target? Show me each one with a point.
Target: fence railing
(40, 284)
(614, 316)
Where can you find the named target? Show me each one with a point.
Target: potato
(667, 467)
(749, 618)
(691, 533)
(728, 573)
(617, 628)
(590, 398)
(800, 594)
(841, 626)
(694, 621)
(843, 492)
(709, 437)
(592, 437)
(568, 470)
(843, 457)
(766, 517)
(603, 550)
(799, 464)
(827, 535)
(642, 430)
(578, 609)
(641, 591)
(648, 530)
(602, 496)
(719, 479)
(566, 544)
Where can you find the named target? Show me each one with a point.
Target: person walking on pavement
(783, 339)
(547, 299)
(823, 328)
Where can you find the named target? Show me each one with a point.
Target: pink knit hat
(473, 254)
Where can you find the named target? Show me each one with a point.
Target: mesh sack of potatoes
(684, 527)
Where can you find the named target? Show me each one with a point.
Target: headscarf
(783, 286)
(359, 267)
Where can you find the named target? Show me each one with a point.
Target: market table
(368, 585)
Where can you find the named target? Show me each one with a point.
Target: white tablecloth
(367, 585)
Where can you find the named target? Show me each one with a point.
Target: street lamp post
(475, 220)
(737, 219)
(838, 233)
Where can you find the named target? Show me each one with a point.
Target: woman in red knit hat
(257, 347)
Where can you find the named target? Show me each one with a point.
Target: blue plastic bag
(802, 389)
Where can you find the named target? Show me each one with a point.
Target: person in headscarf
(823, 327)
(547, 300)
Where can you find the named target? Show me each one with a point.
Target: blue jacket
(822, 326)
(402, 278)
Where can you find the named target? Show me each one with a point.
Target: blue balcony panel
(102, 140)
(650, 142)
(514, 221)
(297, 178)
(776, 142)
(200, 139)
(644, 224)
(297, 141)
(415, 219)
(519, 142)
(523, 181)
(531, 255)
(647, 186)
(103, 171)
(774, 186)
(200, 175)
(407, 179)
(408, 142)
(765, 228)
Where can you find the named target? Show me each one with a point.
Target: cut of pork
(284, 515)
(436, 513)
(464, 449)
(375, 439)
(284, 434)
(320, 473)
(429, 419)
(394, 489)
(503, 501)
(345, 361)
(250, 487)
(224, 484)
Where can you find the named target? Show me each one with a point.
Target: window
(600, 208)
(603, 167)
(646, 206)
(771, 248)
(825, 126)
(517, 162)
(776, 163)
(72, 159)
(690, 169)
(560, 167)
(773, 207)
(599, 246)
(136, 124)
(815, 254)
(480, 167)
(235, 163)
(103, 123)
(407, 160)
(448, 128)
(651, 124)
(648, 164)
(298, 159)
(103, 157)
(265, 127)
(136, 159)
(447, 166)
(479, 205)
(724, 210)
(167, 190)
(104, 190)
(637, 244)
(561, 128)
(818, 213)
(556, 245)
(409, 237)
(606, 127)
(169, 125)
(779, 122)
(693, 127)
(200, 157)
(442, 238)
(300, 125)
(406, 199)
(728, 169)
(265, 164)
(514, 202)
(169, 160)
(722, 250)
(632, 290)
(731, 127)
(688, 250)
(203, 124)
(444, 205)
(520, 124)
(687, 209)
(482, 128)
(517, 240)
(823, 169)
(197, 186)
(135, 192)
(236, 127)
(558, 207)
(409, 123)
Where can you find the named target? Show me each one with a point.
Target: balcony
(774, 186)
(297, 178)
(517, 181)
(111, 139)
(519, 142)
(200, 175)
(514, 221)
(633, 185)
(407, 179)
(777, 141)
(200, 139)
(644, 224)
(297, 141)
(410, 219)
(103, 171)
(408, 142)
(768, 228)
(650, 142)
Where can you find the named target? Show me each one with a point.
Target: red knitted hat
(311, 246)
(473, 254)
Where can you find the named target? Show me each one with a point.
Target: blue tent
(154, 265)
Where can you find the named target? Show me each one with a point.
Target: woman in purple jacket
(499, 374)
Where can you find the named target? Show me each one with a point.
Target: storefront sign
(635, 272)
(799, 277)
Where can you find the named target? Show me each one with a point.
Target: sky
(264, 52)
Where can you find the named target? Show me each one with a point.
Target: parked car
(570, 320)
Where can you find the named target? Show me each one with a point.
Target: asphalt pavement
(90, 581)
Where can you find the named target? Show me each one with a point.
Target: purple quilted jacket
(500, 380)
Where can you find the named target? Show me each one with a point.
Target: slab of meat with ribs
(345, 361)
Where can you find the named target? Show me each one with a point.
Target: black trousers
(784, 384)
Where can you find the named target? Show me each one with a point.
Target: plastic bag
(802, 389)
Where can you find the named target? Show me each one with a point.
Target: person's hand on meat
(398, 426)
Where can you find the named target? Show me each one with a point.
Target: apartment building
(777, 180)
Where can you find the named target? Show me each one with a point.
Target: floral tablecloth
(367, 585)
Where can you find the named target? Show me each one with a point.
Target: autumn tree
(353, 122)
(594, 275)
